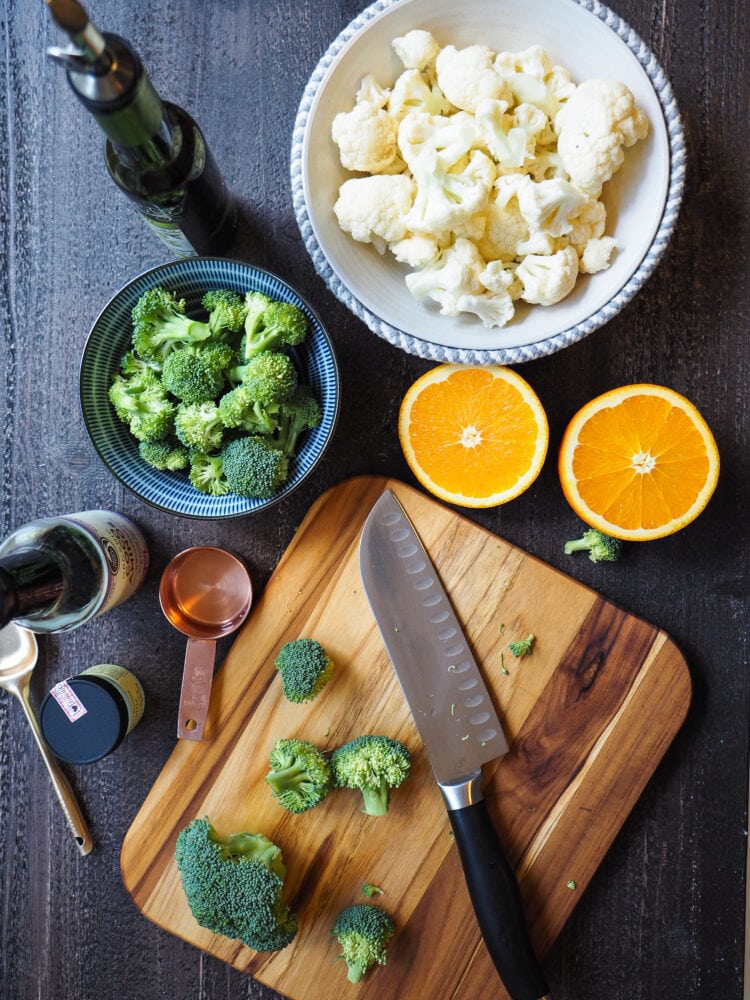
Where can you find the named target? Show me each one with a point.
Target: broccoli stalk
(160, 325)
(305, 668)
(233, 885)
(300, 413)
(363, 932)
(374, 765)
(600, 547)
(300, 775)
(271, 326)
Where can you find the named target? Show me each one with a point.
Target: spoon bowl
(18, 656)
(205, 593)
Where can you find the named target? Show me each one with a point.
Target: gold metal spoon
(18, 656)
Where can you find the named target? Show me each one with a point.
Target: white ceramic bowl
(642, 199)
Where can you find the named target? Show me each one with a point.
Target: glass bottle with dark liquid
(154, 151)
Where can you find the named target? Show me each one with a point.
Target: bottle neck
(29, 583)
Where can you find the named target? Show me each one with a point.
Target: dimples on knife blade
(437, 671)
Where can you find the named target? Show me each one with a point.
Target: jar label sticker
(68, 701)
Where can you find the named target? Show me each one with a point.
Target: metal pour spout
(88, 50)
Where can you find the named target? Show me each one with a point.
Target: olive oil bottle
(154, 151)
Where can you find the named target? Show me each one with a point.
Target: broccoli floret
(371, 890)
(131, 364)
(226, 311)
(601, 547)
(237, 408)
(167, 455)
(271, 326)
(305, 668)
(207, 474)
(195, 374)
(253, 467)
(160, 325)
(521, 647)
(140, 402)
(374, 765)
(199, 426)
(300, 775)
(234, 884)
(363, 932)
(270, 377)
(300, 413)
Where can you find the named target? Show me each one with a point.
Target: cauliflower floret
(511, 138)
(367, 139)
(417, 50)
(370, 92)
(548, 279)
(598, 119)
(416, 251)
(507, 234)
(373, 209)
(533, 61)
(493, 309)
(455, 273)
(446, 199)
(467, 76)
(449, 136)
(412, 92)
(588, 225)
(549, 206)
(597, 255)
(545, 165)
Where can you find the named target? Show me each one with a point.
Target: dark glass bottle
(154, 151)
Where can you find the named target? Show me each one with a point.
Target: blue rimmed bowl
(110, 338)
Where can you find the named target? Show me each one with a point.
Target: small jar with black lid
(85, 718)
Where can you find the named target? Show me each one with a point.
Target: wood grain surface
(588, 716)
(663, 917)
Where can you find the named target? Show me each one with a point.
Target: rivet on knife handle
(458, 724)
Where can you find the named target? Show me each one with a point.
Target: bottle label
(171, 234)
(68, 700)
(127, 684)
(124, 550)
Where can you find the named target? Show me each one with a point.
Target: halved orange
(638, 462)
(475, 437)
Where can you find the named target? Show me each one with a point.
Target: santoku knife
(457, 722)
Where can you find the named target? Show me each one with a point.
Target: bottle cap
(83, 719)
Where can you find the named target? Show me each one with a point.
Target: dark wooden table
(664, 916)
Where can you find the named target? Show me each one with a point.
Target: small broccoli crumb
(600, 547)
(521, 647)
(371, 890)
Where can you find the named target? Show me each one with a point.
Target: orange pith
(473, 436)
(638, 462)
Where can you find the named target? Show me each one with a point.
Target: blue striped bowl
(110, 339)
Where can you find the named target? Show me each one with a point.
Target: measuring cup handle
(197, 677)
(65, 794)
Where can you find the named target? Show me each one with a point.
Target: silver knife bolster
(460, 794)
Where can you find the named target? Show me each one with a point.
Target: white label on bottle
(68, 701)
(124, 550)
(172, 235)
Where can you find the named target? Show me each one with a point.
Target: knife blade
(457, 722)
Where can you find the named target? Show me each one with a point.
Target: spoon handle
(197, 678)
(65, 794)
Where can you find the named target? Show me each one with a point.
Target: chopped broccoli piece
(253, 467)
(131, 364)
(300, 775)
(234, 884)
(300, 413)
(371, 890)
(374, 765)
(305, 668)
(521, 647)
(271, 326)
(601, 547)
(166, 455)
(195, 375)
(199, 426)
(237, 408)
(270, 377)
(140, 402)
(226, 311)
(160, 325)
(363, 932)
(207, 474)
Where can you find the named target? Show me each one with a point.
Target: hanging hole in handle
(191, 725)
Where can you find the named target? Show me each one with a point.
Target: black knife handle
(496, 898)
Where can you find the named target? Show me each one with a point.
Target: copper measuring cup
(206, 594)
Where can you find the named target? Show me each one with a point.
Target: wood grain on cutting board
(588, 715)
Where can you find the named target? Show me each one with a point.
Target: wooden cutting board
(588, 715)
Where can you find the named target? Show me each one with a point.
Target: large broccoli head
(374, 765)
(300, 774)
(305, 668)
(233, 885)
(363, 932)
(253, 467)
